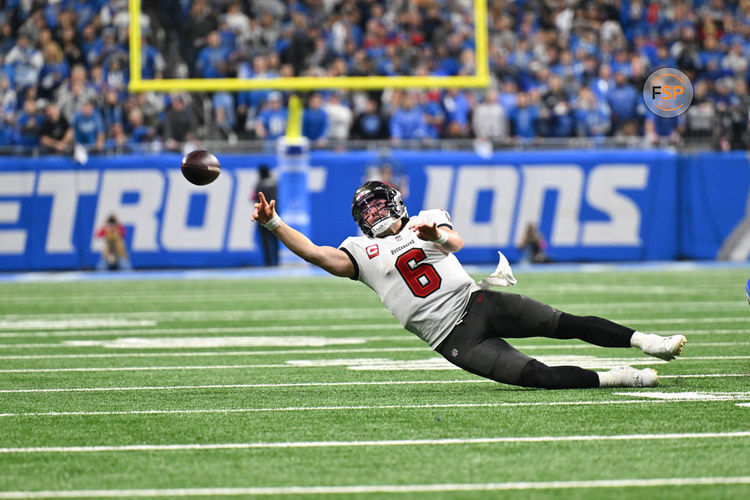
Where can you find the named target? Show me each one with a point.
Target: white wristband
(272, 224)
(442, 238)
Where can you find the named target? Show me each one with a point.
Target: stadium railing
(511, 144)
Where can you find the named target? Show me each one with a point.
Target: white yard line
(188, 354)
(208, 330)
(245, 386)
(381, 488)
(385, 325)
(343, 362)
(389, 442)
(707, 397)
(682, 321)
(7, 320)
(307, 384)
(711, 331)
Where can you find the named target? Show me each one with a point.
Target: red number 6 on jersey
(422, 279)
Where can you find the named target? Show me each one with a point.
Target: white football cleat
(666, 348)
(625, 376)
(503, 275)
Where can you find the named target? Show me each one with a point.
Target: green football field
(308, 387)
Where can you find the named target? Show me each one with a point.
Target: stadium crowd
(559, 69)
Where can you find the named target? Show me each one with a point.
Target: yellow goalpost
(307, 83)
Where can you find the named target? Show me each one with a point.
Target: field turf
(307, 387)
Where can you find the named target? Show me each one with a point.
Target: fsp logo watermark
(667, 92)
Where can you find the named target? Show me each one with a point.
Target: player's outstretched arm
(446, 238)
(328, 258)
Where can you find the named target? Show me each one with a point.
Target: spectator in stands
(524, 117)
(54, 70)
(152, 61)
(200, 21)
(225, 118)
(115, 72)
(457, 109)
(591, 114)
(370, 124)
(623, 100)
(657, 128)
(179, 124)
(6, 37)
(213, 58)
(72, 95)
(139, 132)
(8, 99)
(71, 47)
(112, 108)
(339, 117)
(315, 119)
(407, 121)
(106, 48)
(56, 134)
(433, 113)
(700, 117)
(117, 140)
(26, 62)
(29, 123)
(250, 102)
(88, 127)
(238, 22)
(271, 121)
(489, 121)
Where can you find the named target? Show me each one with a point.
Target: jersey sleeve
(440, 216)
(357, 255)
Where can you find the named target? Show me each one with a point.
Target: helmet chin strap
(383, 225)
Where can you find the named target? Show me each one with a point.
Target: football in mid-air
(200, 167)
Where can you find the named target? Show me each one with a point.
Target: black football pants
(476, 343)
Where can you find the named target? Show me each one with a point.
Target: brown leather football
(200, 167)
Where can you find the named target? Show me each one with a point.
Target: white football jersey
(424, 287)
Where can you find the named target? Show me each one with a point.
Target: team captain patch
(372, 251)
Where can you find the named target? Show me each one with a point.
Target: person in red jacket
(114, 254)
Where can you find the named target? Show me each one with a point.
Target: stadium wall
(590, 205)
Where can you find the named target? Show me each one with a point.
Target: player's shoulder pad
(355, 242)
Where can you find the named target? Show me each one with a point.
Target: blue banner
(589, 205)
(715, 206)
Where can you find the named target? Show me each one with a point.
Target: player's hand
(426, 232)
(263, 211)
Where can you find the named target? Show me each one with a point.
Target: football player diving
(409, 263)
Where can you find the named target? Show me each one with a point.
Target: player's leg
(537, 319)
(495, 359)
(602, 332)
(475, 346)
